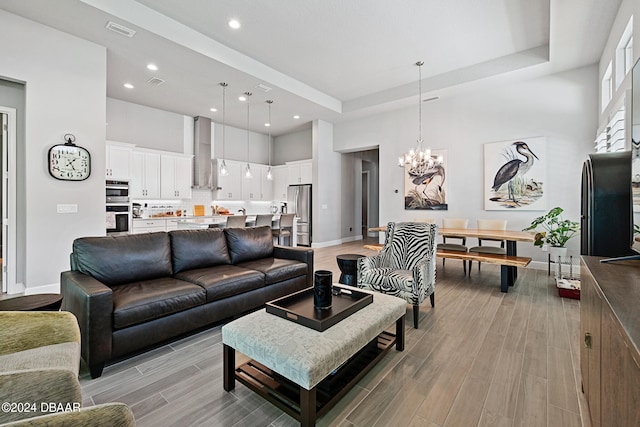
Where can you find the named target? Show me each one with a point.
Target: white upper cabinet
(176, 175)
(145, 175)
(280, 182)
(118, 160)
(258, 187)
(300, 172)
(229, 187)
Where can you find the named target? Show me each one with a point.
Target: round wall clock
(69, 162)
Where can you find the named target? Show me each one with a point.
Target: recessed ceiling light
(213, 109)
(234, 23)
(296, 117)
(242, 98)
(152, 67)
(267, 124)
(128, 85)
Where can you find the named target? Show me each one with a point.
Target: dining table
(511, 237)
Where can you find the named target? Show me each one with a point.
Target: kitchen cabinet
(229, 187)
(280, 182)
(148, 225)
(300, 172)
(118, 160)
(176, 175)
(258, 187)
(145, 175)
(610, 328)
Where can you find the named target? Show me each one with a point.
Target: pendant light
(418, 159)
(223, 167)
(269, 172)
(247, 171)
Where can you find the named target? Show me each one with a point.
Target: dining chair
(236, 221)
(264, 219)
(285, 229)
(458, 247)
(425, 220)
(489, 224)
(406, 265)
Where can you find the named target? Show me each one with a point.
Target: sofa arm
(92, 303)
(35, 387)
(106, 415)
(24, 330)
(298, 254)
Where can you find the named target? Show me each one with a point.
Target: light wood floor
(480, 358)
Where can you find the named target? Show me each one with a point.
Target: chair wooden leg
(416, 312)
(432, 297)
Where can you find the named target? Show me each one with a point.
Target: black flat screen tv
(635, 155)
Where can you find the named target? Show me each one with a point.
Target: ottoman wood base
(307, 405)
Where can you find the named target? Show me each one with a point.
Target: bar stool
(285, 229)
(236, 221)
(264, 219)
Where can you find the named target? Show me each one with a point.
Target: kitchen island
(194, 223)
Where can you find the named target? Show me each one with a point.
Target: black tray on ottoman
(298, 307)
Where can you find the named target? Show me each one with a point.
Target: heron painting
(425, 184)
(515, 175)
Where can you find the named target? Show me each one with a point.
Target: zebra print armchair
(406, 265)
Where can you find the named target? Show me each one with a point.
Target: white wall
(235, 146)
(292, 146)
(145, 126)
(65, 93)
(561, 107)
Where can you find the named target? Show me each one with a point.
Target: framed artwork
(425, 187)
(515, 174)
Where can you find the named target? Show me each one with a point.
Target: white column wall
(65, 93)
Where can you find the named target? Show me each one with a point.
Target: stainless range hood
(203, 164)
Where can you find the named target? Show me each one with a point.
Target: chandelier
(418, 159)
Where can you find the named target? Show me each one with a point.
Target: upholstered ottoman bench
(308, 369)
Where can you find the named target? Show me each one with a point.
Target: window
(611, 138)
(607, 87)
(624, 53)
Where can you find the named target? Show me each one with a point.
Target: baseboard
(53, 288)
(335, 242)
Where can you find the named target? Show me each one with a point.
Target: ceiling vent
(263, 88)
(120, 29)
(155, 81)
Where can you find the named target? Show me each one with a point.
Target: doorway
(365, 204)
(8, 191)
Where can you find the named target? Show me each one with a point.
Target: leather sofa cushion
(139, 302)
(277, 269)
(193, 249)
(247, 244)
(223, 281)
(115, 260)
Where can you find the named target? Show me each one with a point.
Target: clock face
(69, 162)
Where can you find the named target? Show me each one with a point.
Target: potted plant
(558, 231)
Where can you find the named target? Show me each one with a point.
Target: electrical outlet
(67, 208)
(545, 248)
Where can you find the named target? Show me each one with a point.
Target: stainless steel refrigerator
(299, 202)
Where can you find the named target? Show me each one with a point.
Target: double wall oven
(118, 205)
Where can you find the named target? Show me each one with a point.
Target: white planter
(556, 252)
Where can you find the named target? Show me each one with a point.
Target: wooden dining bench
(503, 260)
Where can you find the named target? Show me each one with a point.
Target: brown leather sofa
(131, 292)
